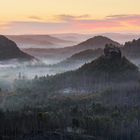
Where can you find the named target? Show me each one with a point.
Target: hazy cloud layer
(71, 17)
(35, 17)
(70, 23)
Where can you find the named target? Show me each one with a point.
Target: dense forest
(98, 101)
(69, 117)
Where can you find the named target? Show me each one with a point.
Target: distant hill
(108, 66)
(92, 43)
(111, 70)
(37, 41)
(132, 49)
(112, 62)
(9, 50)
(97, 42)
(80, 58)
(86, 54)
(75, 37)
(119, 37)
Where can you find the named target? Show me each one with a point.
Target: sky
(69, 16)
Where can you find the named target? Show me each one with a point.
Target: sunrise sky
(69, 16)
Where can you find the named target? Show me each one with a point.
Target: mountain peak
(100, 37)
(111, 61)
(98, 42)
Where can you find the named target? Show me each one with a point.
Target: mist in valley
(12, 69)
(70, 91)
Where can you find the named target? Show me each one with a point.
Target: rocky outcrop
(111, 61)
(112, 52)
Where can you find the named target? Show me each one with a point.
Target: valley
(88, 91)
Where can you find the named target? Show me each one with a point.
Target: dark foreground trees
(71, 117)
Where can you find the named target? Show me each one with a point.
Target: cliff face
(9, 50)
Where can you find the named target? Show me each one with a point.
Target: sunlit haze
(63, 16)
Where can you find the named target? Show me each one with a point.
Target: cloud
(29, 27)
(128, 20)
(70, 23)
(71, 17)
(117, 16)
(123, 15)
(35, 17)
(125, 18)
(113, 21)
